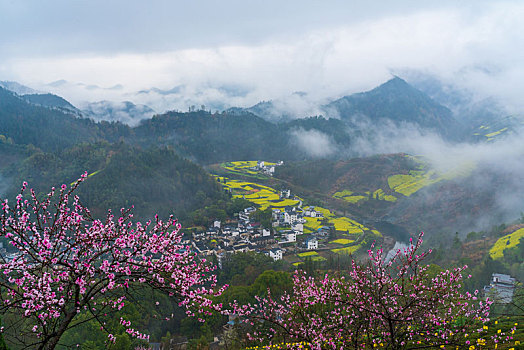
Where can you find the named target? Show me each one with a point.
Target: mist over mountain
(52, 101)
(393, 118)
(17, 88)
(398, 102)
(125, 112)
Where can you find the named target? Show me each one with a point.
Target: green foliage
(244, 268)
(214, 138)
(155, 180)
(277, 281)
(262, 216)
(143, 310)
(45, 128)
(399, 102)
(3, 345)
(218, 210)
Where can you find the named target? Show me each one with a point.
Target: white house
(311, 243)
(502, 286)
(250, 210)
(287, 217)
(216, 223)
(285, 193)
(275, 254)
(312, 213)
(291, 236)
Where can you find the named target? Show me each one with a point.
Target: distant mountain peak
(398, 102)
(18, 88)
(395, 86)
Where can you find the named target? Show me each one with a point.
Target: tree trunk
(52, 340)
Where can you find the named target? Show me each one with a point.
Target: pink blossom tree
(66, 263)
(395, 304)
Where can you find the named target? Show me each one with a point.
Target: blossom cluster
(393, 304)
(67, 262)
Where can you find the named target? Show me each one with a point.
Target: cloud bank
(314, 143)
(473, 48)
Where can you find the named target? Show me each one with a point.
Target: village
(285, 235)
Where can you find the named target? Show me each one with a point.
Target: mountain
(50, 129)
(401, 193)
(483, 117)
(154, 180)
(17, 88)
(125, 112)
(298, 105)
(211, 138)
(52, 101)
(398, 102)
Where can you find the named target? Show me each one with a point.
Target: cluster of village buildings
(268, 169)
(243, 234)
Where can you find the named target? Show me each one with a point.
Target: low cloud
(460, 45)
(125, 112)
(314, 143)
(487, 191)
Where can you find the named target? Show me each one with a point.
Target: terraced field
(263, 196)
(346, 250)
(348, 196)
(352, 197)
(407, 184)
(266, 197)
(245, 167)
(305, 254)
(506, 242)
(313, 255)
(380, 195)
(342, 241)
(341, 223)
(485, 131)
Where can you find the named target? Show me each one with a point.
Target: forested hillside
(154, 180)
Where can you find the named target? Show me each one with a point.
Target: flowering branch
(67, 263)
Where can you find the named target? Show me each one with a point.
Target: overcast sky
(241, 52)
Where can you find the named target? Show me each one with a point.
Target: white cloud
(315, 143)
(476, 49)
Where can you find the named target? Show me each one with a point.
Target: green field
(342, 241)
(348, 196)
(380, 195)
(244, 167)
(506, 242)
(352, 197)
(266, 197)
(346, 250)
(263, 196)
(311, 253)
(495, 133)
(312, 224)
(341, 223)
(407, 184)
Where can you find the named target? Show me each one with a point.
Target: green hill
(398, 102)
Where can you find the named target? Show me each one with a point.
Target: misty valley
(285, 209)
